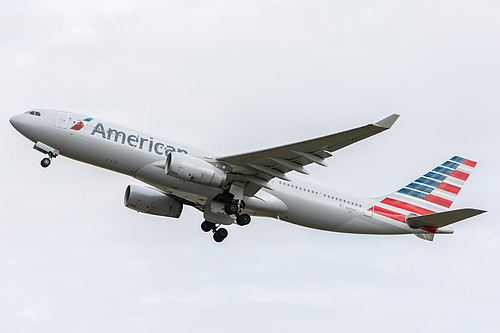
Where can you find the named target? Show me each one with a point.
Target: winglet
(388, 122)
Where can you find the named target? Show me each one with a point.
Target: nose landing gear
(45, 149)
(46, 161)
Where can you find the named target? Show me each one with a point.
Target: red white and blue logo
(80, 124)
(433, 192)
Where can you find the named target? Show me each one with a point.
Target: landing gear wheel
(45, 162)
(220, 234)
(243, 219)
(207, 226)
(231, 208)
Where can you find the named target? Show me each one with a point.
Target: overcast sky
(235, 76)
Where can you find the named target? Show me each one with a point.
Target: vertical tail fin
(432, 193)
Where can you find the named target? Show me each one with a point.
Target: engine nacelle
(150, 201)
(193, 169)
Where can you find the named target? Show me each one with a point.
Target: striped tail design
(432, 193)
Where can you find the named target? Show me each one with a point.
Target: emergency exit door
(62, 119)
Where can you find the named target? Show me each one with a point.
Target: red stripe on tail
(406, 206)
(449, 188)
(460, 175)
(390, 214)
(438, 201)
(469, 163)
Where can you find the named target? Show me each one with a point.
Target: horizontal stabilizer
(439, 220)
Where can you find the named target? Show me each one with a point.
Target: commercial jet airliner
(230, 189)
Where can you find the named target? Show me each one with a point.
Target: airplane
(230, 189)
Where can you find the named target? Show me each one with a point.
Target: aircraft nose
(18, 123)
(15, 121)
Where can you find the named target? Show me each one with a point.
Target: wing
(259, 167)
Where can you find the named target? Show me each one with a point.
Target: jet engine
(193, 169)
(150, 201)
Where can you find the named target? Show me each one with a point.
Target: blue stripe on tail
(434, 175)
(413, 193)
(427, 181)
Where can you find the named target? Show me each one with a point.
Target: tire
(45, 162)
(218, 237)
(207, 226)
(243, 219)
(231, 208)
(222, 232)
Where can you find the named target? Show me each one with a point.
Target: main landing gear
(219, 233)
(234, 208)
(231, 208)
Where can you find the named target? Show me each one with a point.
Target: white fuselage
(140, 155)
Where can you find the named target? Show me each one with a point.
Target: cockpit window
(34, 113)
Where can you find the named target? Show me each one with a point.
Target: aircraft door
(62, 119)
(369, 207)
